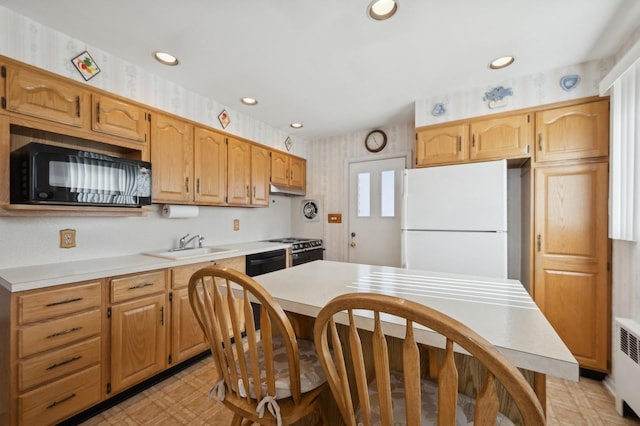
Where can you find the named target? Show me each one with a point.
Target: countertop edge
(48, 275)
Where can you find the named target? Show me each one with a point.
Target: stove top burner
(299, 244)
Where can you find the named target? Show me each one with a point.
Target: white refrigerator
(454, 219)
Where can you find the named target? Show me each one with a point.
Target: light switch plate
(335, 218)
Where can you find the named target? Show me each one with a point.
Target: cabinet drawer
(180, 276)
(59, 363)
(130, 287)
(58, 400)
(54, 303)
(44, 336)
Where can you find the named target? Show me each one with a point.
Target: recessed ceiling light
(165, 58)
(501, 62)
(296, 125)
(382, 9)
(249, 101)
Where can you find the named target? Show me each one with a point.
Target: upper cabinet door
(260, 171)
(171, 159)
(505, 137)
(442, 145)
(578, 131)
(279, 168)
(239, 172)
(210, 167)
(117, 118)
(39, 95)
(298, 172)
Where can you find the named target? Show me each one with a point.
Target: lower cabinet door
(187, 338)
(49, 404)
(138, 339)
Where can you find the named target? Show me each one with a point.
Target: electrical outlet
(67, 238)
(236, 224)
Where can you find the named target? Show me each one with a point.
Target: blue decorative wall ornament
(496, 96)
(569, 82)
(438, 109)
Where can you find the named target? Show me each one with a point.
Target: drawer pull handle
(60, 333)
(54, 403)
(141, 285)
(60, 364)
(62, 302)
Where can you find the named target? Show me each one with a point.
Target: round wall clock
(375, 141)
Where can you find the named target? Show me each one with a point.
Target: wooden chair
(266, 376)
(376, 394)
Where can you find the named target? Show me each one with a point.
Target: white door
(374, 211)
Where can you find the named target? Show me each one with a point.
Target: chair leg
(237, 420)
(323, 420)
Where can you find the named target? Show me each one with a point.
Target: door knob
(353, 234)
(352, 244)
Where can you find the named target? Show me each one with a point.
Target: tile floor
(182, 400)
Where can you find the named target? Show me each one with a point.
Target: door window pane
(387, 193)
(364, 194)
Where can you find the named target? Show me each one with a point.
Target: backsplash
(36, 240)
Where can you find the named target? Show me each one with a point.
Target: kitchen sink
(190, 253)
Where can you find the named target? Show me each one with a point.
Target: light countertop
(47, 275)
(500, 310)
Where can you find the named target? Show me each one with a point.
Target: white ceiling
(325, 63)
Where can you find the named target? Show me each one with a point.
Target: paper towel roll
(178, 212)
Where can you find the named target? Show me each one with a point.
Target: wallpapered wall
(30, 42)
(528, 91)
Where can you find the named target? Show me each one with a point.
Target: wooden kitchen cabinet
(137, 323)
(572, 132)
(503, 137)
(442, 145)
(210, 167)
(117, 118)
(239, 172)
(171, 160)
(260, 173)
(249, 167)
(187, 338)
(288, 170)
(38, 94)
(58, 365)
(571, 284)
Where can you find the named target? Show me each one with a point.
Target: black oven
(301, 257)
(303, 250)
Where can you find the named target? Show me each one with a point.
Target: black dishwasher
(269, 261)
(262, 263)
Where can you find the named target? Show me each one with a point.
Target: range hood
(284, 190)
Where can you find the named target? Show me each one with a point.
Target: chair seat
(311, 372)
(464, 414)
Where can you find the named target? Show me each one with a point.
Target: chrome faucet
(184, 242)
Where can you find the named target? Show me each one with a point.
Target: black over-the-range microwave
(46, 174)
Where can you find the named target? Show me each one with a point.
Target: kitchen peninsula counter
(500, 310)
(47, 275)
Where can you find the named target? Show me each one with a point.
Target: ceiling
(325, 63)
